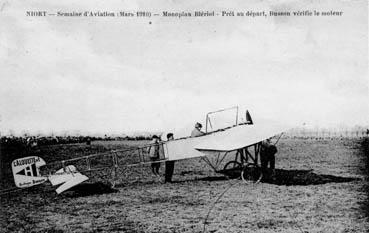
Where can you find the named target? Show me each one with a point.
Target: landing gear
(232, 169)
(245, 165)
(251, 173)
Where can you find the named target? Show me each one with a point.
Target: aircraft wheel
(251, 173)
(232, 169)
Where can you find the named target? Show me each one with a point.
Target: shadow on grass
(88, 189)
(286, 177)
(303, 177)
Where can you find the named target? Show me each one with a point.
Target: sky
(117, 75)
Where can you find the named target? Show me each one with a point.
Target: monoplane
(240, 139)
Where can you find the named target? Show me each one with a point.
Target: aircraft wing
(239, 137)
(227, 140)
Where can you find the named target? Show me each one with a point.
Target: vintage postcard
(184, 116)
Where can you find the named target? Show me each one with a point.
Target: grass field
(333, 197)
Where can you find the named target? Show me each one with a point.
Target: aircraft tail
(68, 177)
(26, 172)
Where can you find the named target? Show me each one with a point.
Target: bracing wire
(216, 201)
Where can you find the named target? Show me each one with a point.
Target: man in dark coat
(169, 165)
(267, 156)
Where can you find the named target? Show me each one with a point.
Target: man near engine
(267, 157)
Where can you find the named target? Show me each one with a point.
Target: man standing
(267, 156)
(196, 132)
(169, 165)
(154, 154)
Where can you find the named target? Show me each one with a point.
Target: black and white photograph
(175, 116)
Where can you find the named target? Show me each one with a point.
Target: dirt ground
(320, 186)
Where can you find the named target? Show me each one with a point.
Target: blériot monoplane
(241, 139)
